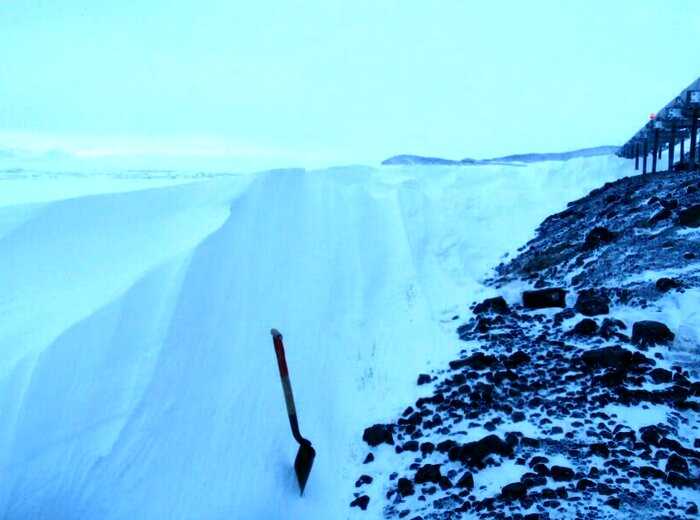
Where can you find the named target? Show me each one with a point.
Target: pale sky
(331, 82)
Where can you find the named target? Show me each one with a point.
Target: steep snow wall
(137, 377)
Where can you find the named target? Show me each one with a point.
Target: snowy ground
(137, 377)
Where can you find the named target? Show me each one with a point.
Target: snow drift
(137, 376)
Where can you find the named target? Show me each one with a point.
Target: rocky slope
(569, 399)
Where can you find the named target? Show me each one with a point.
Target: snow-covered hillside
(137, 376)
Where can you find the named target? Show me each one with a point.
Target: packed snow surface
(137, 375)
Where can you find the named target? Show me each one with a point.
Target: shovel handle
(287, 387)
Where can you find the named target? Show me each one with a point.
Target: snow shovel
(306, 453)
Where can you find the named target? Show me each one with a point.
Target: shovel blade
(303, 463)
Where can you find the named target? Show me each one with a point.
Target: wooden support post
(636, 156)
(644, 160)
(682, 157)
(671, 147)
(655, 151)
(693, 137)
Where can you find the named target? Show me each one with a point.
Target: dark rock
(600, 449)
(660, 215)
(666, 284)
(405, 487)
(495, 305)
(517, 416)
(676, 479)
(690, 217)
(466, 481)
(364, 479)
(423, 379)
(378, 434)
(651, 333)
(597, 237)
(427, 448)
(661, 375)
(592, 303)
(514, 491)
(516, 359)
(369, 458)
(607, 357)
(585, 327)
(613, 502)
(561, 473)
(544, 298)
(604, 489)
(475, 452)
(651, 472)
(677, 463)
(410, 446)
(477, 361)
(361, 502)
(428, 473)
(585, 484)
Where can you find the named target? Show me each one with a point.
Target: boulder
(466, 481)
(592, 303)
(378, 434)
(585, 327)
(597, 237)
(666, 284)
(405, 487)
(544, 298)
(607, 357)
(516, 359)
(677, 463)
(364, 479)
(649, 332)
(661, 375)
(495, 305)
(428, 473)
(475, 452)
(423, 379)
(514, 491)
(689, 217)
(561, 473)
(361, 502)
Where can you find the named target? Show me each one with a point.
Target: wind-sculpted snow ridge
(137, 375)
(508, 159)
(577, 394)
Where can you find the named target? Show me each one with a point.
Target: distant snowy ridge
(521, 158)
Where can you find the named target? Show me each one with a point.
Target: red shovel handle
(287, 386)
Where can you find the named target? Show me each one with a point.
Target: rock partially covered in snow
(690, 217)
(598, 236)
(496, 305)
(378, 434)
(650, 332)
(592, 303)
(544, 298)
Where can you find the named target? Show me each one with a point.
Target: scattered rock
(364, 479)
(514, 491)
(361, 502)
(690, 217)
(607, 357)
(597, 237)
(649, 332)
(428, 473)
(405, 487)
(592, 303)
(496, 305)
(466, 481)
(585, 327)
(561, 473)
(378, 434)
(424, 379)
(544, 298)
(666, 284)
